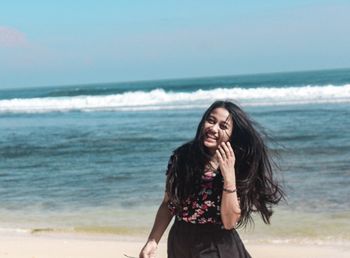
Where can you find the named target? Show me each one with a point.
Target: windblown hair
(257, 188)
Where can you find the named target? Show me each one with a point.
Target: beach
(59, 246)
(111, 114)
(82, 167)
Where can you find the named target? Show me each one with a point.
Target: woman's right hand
(149, 250)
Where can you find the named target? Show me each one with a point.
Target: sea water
(92, 158)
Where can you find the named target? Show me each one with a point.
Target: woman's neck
(212, 165)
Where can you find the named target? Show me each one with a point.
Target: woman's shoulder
(181, 152)
(178, 155)
(184, 148)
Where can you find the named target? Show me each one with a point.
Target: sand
(78, 246)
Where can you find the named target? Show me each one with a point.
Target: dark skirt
(188, 240)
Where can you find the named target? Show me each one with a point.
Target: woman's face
(217, 128)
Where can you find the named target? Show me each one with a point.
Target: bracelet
(229, 191)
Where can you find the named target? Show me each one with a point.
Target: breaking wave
(161, 99)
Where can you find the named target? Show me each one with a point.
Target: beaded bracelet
(229, 191)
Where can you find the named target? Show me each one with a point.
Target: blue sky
(45, 43)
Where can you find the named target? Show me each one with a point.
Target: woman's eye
(211, 121)
(223, 127)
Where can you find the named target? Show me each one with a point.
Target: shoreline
(66, 245)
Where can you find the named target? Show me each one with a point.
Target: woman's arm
(161, 222)
(230, 210)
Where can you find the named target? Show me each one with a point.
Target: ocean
(92, 158)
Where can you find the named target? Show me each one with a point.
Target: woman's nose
(215, 128)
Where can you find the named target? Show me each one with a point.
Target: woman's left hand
(227, 161)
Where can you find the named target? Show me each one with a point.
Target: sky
(45, 43)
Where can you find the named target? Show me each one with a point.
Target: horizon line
(172, 79)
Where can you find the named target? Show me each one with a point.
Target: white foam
(14, 231)
(160, 99)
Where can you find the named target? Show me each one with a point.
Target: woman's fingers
(230, 149)
(225, 152)
(225, 146)
(222, 152)
(219, 156)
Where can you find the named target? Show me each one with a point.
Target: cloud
(10, 37)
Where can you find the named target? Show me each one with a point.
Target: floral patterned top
(204, 207)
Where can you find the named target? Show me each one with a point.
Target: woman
(213, 185)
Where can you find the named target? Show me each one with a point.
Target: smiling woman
(213, 185)
(217, 128)
(103, 171)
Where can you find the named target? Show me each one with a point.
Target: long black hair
(257, 186)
